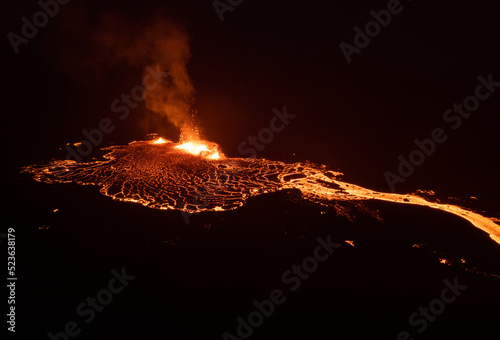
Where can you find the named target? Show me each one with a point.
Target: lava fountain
(195, 176)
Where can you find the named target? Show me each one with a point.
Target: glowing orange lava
(195, 176)
(201, 148)
(159, 141)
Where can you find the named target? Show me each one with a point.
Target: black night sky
(355, 117)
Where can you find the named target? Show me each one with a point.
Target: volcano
(194, 176)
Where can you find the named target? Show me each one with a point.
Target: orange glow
(195, 146)
(195, 176)
(192, 147)
(200, 148)
(159, 141)
(443, 261)
(215, 156)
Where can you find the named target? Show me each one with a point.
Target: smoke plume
(91, 50)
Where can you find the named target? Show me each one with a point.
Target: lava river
(198, 177)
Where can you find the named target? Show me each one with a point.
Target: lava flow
(195, 176)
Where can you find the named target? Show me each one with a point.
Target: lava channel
(197, 177)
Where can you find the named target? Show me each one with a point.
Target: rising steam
(169, 47)
(92, 50)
